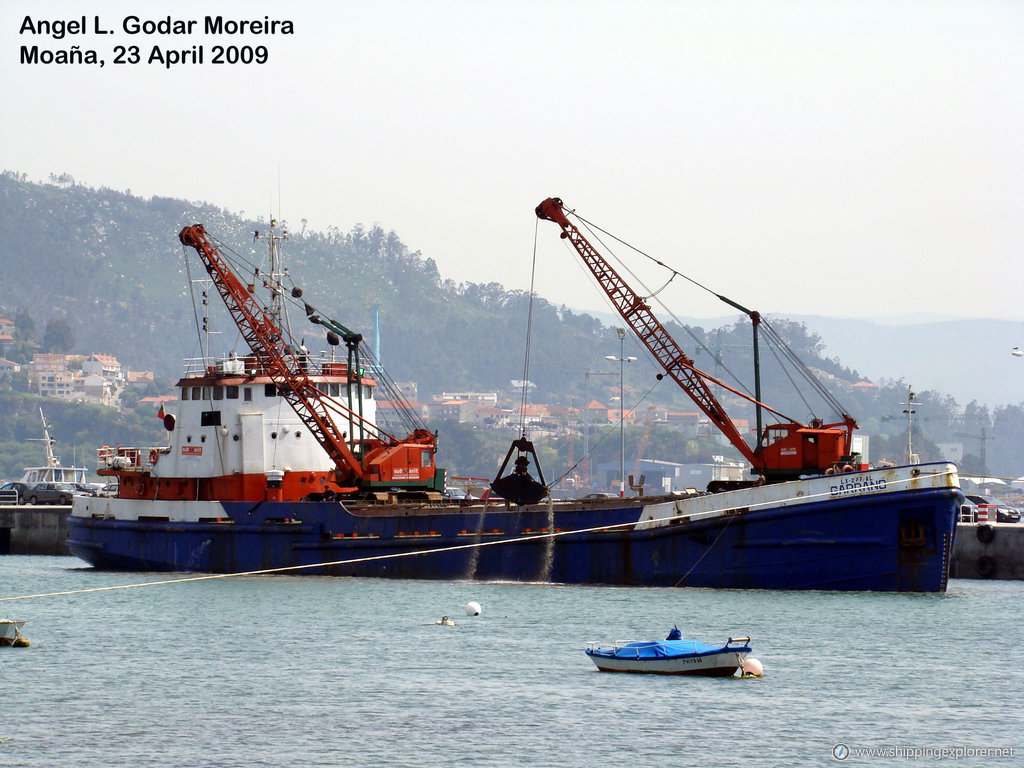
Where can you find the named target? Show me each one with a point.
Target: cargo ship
(274, 463)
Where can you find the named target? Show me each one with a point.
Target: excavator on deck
(369, 464)
(785, 449)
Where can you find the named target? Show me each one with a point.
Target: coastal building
(106, 366)
(93, 388)
(138, 378)
(48, 376)
(6, 334)
(476, 397)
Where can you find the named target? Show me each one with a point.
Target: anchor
(517, 486)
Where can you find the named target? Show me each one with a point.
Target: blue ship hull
(899, 540)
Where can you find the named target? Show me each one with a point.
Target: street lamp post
(622, 407)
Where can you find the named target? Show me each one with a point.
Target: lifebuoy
(986, 567)
(153, 456)
(847, 468)
(986, 533)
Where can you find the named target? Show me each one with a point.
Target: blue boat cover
(667, 649)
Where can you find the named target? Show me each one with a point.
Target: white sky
(835, 158)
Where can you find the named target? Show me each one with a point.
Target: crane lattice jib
(637, 314)
(267, 343)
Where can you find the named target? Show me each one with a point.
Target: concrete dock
(34, 530)
(988, 551)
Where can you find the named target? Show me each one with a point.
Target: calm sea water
(317, 671)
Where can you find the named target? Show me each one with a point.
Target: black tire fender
(986, 567)
(986, 533)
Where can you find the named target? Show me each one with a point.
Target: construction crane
(784, 450)
(369, 461)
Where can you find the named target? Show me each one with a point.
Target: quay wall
(34, 530)
(988, 551)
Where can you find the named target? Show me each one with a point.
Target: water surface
(321, 671)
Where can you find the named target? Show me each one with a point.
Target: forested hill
(110, 266)
(99, 271)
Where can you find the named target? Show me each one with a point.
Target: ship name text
(856, 485)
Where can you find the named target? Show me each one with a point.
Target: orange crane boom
(408, 463)
(785, 450)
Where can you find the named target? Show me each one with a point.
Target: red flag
(160, 413)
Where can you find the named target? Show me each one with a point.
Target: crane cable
(529, 334)
(607, 433)
(236, 261)
(591, 229)
(772, 334)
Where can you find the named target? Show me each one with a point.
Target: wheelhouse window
(209, 419)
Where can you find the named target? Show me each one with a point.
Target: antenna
(909, 410)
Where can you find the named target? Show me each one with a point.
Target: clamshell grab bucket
(517, 486)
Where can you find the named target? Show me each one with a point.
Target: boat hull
(673, 657)
(894, 536)
(10, 631)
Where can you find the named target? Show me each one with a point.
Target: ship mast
(51, 460)
(277, 312)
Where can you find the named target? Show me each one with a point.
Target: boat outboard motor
(518, 487)
(674, 634)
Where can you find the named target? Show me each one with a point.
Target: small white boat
(674, 656)
(10, 633)
(54, 471)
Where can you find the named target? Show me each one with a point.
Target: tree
(24, 326)
(58, 337)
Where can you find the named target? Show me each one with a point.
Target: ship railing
(136, 459)
(315, 364)
(978, 513)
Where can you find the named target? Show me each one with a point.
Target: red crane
(785, 450)
(361, 465)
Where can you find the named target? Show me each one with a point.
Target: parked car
(1004, 512)
(108, 490)
(457, 493)
(52, 493)
(14, 492)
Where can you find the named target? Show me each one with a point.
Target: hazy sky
(836, 158)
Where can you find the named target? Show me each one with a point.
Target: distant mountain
(966, 358)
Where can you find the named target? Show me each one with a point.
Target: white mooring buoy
(472, 609)
(752, 666)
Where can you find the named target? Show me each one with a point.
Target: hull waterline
(801, 535)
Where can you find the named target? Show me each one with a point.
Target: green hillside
(99, 271)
